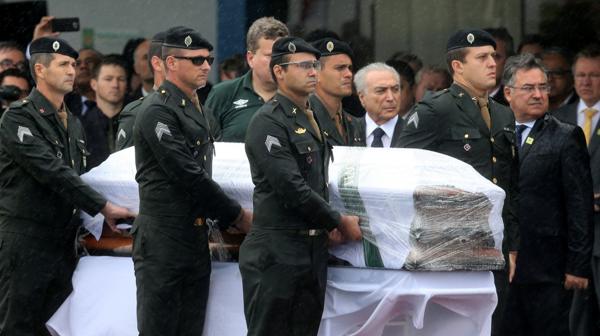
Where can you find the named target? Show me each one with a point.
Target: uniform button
(495, 180)
(492, 140)
(308, 147)
(198, 143)
(466, 136)
(494, 159)
(73, 163)
(74, 211)
(204, 157)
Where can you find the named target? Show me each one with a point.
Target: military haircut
(275, 60)
(39, 58)
(154, 50)
(112, 59)
(515, 63)
(268, 28)
(361, 75)
(455, 55)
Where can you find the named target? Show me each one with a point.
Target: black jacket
(555, 208)
(40, 163)
(289, 169)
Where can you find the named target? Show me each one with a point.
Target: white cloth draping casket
(435, 210)
(368, 302)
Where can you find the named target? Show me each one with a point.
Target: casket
(419, 210)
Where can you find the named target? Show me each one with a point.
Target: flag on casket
(419, 210)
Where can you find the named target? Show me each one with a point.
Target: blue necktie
(377, 135)
(519, 129)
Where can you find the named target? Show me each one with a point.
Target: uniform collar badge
(56, 45)
(470, 38)
(329, 46)
(187, 41)
(292, 47)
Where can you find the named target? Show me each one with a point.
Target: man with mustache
(173, 152)
(463, 122)
(42, 154)
(555, 207)
(283, 260)
(333, 84)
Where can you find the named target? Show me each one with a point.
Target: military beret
(330, 46)
(465, 38)
(185, 38)
(52, 45)
(292, 45)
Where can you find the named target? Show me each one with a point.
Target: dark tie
(377, 135)
(519, 129)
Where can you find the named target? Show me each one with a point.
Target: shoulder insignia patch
(271, 141)
(413, 119)
(161, 129)
(22, 132)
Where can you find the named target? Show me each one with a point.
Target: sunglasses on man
(198, 60)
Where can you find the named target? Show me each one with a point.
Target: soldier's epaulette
(20, 103)
(439, 93)
(271, 105)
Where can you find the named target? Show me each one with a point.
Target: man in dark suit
(465, 123)
(555, 207)
(584, 113)
(378, 87)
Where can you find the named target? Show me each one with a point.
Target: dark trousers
(501, 283)
(537, 309)
(172, 272)
(584, 318)
(35, 279)
(284, 276)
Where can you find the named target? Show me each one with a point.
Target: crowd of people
(525, 119)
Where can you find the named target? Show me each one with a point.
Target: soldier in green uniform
(42, 153)
(129, 113)
(463, 122)
(283, 260)
(174, 150)
(233, 103)
(335, 83)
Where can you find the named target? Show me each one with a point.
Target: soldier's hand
(113, 212)
(335, 238)
(44, 28)
(244, 221)
(575, 282)
(349, 227)
(512, 264)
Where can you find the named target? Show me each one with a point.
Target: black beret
(292, 45)
(52, 45)
(185, 38)
(465, 38)
(331, 46)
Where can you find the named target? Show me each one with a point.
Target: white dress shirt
(388, 128)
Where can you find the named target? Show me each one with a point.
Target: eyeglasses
(198, 60)
(529, 89)
(7, 63)
(305, 65)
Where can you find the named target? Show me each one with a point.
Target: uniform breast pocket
(307, 155)
(461, 141)
(57, 147)
(199, 145)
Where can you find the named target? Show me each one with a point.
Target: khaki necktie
(313, 122)
(339, 124)
(485, 112)
(62, 115)
(587, 124)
